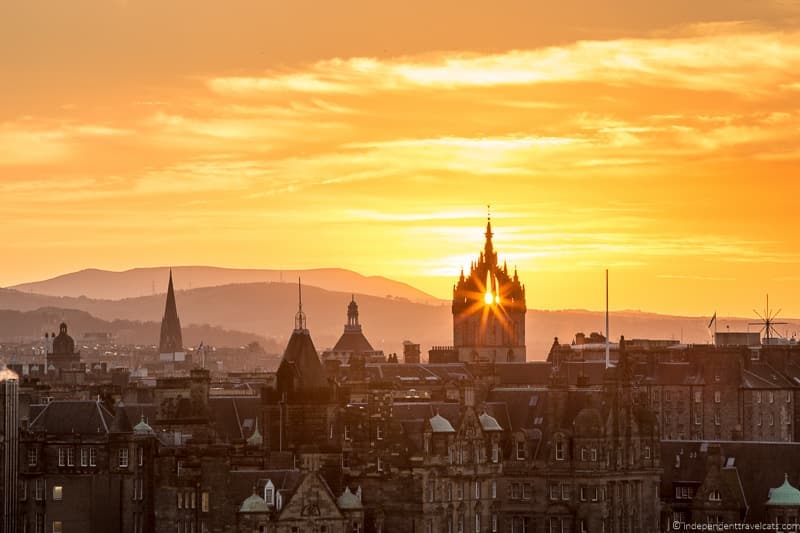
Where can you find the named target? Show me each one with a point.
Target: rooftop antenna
(608, 346)
(768, 322)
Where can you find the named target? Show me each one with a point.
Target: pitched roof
(73, 416)
(300, 360)
(353, 341)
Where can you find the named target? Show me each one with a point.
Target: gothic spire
(171, 338)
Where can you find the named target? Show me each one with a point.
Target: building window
(39, 490)
(379, 432)
(771, 418)
(70, 456)
(180, 499)
(714, 496)
(717, 397)
(33, 456)
(583, 494)
(477, 490)
(494, 488)
(584, 454)
(594, 454)
(380, 465)
(494, 523)
(771, 397)
(204, 501)
(515, 491)
(716, 417)
(84, 457)
(58, 493)
(347, 432)
(495, 452)
(698, 396)
(697, 418)
(460, 491)
(62, 456)
(122, 458)
(92, 456)
(193, 499)
(140, 455)
(667, 395)
(554, 491)
(477, 523)
(559, 449)
(520, 450)
(758, 396)
(527, 488)
(564, 491)
(23, 490)
(647, 452)
(57, 526)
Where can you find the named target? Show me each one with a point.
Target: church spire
(171, 341)
(488, 249)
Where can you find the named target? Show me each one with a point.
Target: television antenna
(768, 322)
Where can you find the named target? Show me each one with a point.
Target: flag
(713, 319)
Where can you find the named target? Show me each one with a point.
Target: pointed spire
(488, 248)
(171, 340)
(255, 439)
(300, 317)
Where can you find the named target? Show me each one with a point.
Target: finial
(300, 317)
(489, 212)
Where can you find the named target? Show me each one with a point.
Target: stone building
(353, 342)
(488, 310)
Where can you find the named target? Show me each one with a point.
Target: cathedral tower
(171, 343)
(489, 310)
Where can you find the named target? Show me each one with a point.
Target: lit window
(56, 526)
(204, 501)
(122, 458)
(58, 492)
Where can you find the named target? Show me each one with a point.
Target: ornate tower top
(300, 317)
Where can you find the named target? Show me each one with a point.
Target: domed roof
(142, 428)
(489, 423)
(786, 494)
(254, 504)
(440, 424)
(588, 422)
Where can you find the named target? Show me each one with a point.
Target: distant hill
(108, 285)
(268, 309)
(22, 326)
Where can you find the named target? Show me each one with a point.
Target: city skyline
(656, 143)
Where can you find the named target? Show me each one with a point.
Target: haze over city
(657, 141)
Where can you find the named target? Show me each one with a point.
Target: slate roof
(73, 416)
(234, 417)
(760, 467)
(300, 357)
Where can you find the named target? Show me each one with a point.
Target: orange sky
(658, 140)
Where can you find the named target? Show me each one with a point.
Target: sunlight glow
(488, 298)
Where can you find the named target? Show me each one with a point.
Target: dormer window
(520, 450)
(714, 496)
(560, 449)
(269, 493)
